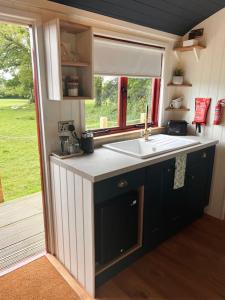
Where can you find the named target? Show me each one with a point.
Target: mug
(176, 103)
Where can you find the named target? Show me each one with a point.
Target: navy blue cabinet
(173, 201)
(198, 182)
(166, 210)
(153, 232)
(116, 226)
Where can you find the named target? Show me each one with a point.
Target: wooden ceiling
(173, 16)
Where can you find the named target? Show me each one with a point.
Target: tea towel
(179, 177)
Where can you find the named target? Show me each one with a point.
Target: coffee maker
(69, 143)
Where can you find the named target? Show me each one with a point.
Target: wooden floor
(189, 266)
(21, 230)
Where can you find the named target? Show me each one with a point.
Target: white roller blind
(122, 58)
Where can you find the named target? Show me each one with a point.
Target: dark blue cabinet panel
(153, 232)
(116, 226)
(198, 182)
(166, 210)
(118, 185)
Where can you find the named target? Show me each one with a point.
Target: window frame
(122, 109)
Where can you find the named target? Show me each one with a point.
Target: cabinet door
(198, 182)
(153, 216)
(173, 201)
(116, 226)
(195, 185)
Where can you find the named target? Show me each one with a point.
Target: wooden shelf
(180, 85)
(195, 49)
(74, 64)
(177, 109)
(189, 48)
(79, 39)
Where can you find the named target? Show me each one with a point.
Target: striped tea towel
(179, 177)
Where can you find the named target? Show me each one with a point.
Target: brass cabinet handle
(122, 184)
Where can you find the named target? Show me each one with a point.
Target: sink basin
(157, 144)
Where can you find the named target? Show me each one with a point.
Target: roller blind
(112, 57)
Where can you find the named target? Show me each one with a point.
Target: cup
(176, 103)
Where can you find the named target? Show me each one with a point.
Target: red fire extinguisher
(219, 112)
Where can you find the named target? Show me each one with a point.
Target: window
(120, 104)
(120, 101)
(102, 112)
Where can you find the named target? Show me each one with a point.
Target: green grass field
(19, 161)
(110, 110)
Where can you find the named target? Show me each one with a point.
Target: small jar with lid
(73, 86)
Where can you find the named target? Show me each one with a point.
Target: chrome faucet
(147, 131)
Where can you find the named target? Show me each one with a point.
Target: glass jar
(73, 86)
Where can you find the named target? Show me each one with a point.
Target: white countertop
(105, 163)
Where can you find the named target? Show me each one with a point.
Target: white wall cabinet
(68, 49)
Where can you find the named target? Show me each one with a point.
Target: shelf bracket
(196, 53)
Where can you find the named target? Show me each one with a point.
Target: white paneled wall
(72, 199)
(208, 79)
(57, 111)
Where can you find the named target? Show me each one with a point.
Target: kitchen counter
(104, 163)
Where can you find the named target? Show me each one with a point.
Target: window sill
(117, 137)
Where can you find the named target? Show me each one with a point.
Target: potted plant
(178, 76)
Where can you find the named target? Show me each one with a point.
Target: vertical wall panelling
(72, 222)
(65, 216)
(56, 252)
(88, 203)
(208, 79)
(80, 228)
(54, 69)
(58, 210)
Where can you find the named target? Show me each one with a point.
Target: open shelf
(180, 85)
(68, 54)
(189, 48)
(74, 64)
(195, 49)
(178, 109)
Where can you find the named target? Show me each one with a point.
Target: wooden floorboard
(190, 265)
(19, 209)
(21, 230)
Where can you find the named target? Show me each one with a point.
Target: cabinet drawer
(206, 154)
(118, 185)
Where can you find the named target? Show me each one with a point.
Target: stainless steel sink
(157, 144)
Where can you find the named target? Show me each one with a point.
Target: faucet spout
(147, 132)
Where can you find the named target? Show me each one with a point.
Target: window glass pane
(102, 112)
(139, 94)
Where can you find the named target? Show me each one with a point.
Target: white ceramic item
(176, 103)
(178, 80)
(189, 43)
